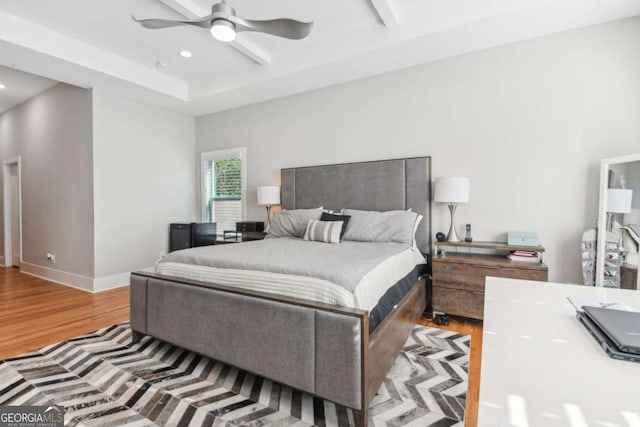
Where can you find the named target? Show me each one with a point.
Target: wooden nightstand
(459, 278)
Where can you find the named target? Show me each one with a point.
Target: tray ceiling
(95, 43)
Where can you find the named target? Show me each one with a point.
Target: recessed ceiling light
(2, 86)
(186, 53)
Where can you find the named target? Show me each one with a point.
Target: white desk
(540, 367)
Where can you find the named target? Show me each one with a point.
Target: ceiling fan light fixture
(223, 23)
(223, 30)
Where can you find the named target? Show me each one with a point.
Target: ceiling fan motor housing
(222, 11)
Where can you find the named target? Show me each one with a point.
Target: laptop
(622, 327)
(604, 341)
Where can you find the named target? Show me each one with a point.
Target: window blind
(222, 174)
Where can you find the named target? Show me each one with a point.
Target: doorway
(12, 198)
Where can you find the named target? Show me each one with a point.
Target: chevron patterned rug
(102, 380)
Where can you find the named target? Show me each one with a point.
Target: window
(223, 187)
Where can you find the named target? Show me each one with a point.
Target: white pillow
(415, 229)
(391, 226)
(292, 223)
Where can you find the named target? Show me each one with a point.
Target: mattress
(350, 274)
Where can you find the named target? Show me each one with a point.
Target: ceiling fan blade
(287, 28)
(156, 24)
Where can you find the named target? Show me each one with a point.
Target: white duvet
(368, 291)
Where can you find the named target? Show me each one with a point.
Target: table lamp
(618, 201)
(268, 195)
(452, 190)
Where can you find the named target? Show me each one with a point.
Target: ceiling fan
(223, 23)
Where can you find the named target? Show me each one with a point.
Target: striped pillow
(323, 231)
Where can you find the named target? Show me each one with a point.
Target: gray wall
(527, 122)
(144, 171)
(83, 151)
(52, 133)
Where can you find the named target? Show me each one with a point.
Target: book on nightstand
(523, 256)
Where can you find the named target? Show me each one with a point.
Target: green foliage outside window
(223, 182)
(228, 179)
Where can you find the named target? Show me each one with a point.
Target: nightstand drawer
(472, 277)
(458, 302)
(458, 276)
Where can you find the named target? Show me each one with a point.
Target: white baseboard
(114, 281)
(64, 278)
(110, 282)
(2, 260)
(78, 281)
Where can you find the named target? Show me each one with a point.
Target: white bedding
(367, 292)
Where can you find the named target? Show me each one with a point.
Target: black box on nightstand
(189, 235)
(250, 226)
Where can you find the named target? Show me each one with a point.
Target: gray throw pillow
(323, 231)
(372, 226)
(292, 223)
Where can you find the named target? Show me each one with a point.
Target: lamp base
(609, 225)
(268, 224)
(452, 236)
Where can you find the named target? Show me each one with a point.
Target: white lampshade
(619, 200)
(632, 217)
(452, 190)
(269, 195)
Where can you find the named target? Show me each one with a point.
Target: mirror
(618, 237)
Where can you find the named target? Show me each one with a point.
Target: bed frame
(321, 349)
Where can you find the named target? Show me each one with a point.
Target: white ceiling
(94, 43)
(19, 87)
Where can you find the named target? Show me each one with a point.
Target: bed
(321, 348)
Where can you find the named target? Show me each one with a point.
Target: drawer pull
(478, 293)
(493, 267)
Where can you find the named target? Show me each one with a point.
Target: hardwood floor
(473, 328)
(35, 312)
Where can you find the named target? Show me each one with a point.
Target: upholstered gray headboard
(381, 185)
